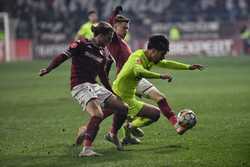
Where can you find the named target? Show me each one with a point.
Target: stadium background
(43, 28)
(38, 118)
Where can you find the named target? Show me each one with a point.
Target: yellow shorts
(134, 105)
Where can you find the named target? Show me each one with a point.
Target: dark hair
(121, 19)
(91, 12)
(101, 28)
(158, 42)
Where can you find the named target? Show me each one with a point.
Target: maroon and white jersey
(120, 51)
(88, 62)
(118, 47)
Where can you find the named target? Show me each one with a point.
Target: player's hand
(196, 66)
(43, 72)
(166, 77)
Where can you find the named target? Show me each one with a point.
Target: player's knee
(156, 116)
(161, 98)
(98, 114)
(156, 95)
(94, 109)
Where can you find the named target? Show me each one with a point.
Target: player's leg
(147, 90)
(141, 89)
(146, 116)
(120, 111)
(142, 86)
(96, 117)
(95, 111)
(86, 95)
(154, 94)
(81, 131)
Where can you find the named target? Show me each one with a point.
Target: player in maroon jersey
(120, 51)
(90, 59)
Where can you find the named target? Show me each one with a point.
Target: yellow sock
(140, 122)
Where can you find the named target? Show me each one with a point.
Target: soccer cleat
(88, 152)
(137, 132)
(181, 129)
(80, 135)
(130, 140)
(115, 140)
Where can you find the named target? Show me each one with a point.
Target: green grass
(38, 119)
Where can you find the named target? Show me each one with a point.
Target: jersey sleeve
(173, 65)
(68, 53)
(141, 72)
(73, 49)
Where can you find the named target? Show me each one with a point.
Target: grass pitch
(38, 119)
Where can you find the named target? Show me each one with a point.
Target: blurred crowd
(33, 16)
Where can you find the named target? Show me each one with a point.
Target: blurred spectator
(29, 14)
(174, 33)
(245, 36)
(85, 30)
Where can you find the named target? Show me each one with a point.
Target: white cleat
(88, 152)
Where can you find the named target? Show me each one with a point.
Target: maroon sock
(107, 113)
(167, 111)
(92, 129)
(118, 120)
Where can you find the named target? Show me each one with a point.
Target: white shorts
(144, 87)
(84, 92)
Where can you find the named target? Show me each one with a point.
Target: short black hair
(101, 27)
(121, 19)
(91, 12)
(158, 42)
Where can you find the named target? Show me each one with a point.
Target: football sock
(87, 143)
(107, 113)
(118, 120)
(167, 112)
(91, 131)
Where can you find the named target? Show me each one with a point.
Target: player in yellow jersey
(85, 30)
(134, 71)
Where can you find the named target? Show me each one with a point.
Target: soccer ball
(186, 118)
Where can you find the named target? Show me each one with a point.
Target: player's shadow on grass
(167, 149)
(69, 157)
(109, 154)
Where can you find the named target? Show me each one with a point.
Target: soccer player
(85, 30)
(120, 50)
(89, 60)
(136, 68)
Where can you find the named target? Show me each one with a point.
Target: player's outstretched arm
(59, 59)
(169, 64)
(179, 66)
(141, 72)
(53, 64)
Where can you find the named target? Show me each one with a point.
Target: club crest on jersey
(73, 45)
